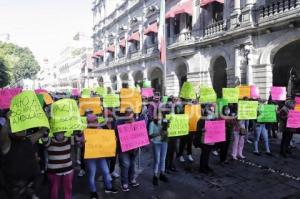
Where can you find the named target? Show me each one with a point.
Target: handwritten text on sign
(65, 116)
(293, 119)
(27, 112)
(214, 131)
(267, 113)
(207, 95)
(99, 143)
(147, 92)
(6, 96)
(231, 95)
(133, 135)
(111, 100)
(247, 110)
(130, 98)
(187, 91)
(179, 125)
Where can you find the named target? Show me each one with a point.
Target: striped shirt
(59, 156)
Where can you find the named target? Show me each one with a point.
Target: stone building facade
(209, 42)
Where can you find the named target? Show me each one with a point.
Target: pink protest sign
(147, 92)
(6, 95)
(214, 131)
(278, 93)
(40, 91)
(297, 100)
(254, 92)
(75, 92)
(133, 135)
(293, 119)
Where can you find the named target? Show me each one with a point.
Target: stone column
(235, 15)
(107, 81)
(171, 29)
(237, 66)
(248, 13)
(263, 79)
(130, 80)
(119, 82)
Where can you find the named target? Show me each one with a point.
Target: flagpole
(162, 43)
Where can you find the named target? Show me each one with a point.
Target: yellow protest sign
(86, 93)
(101, 91)
(231, 95)
(244, 91)
(84, 122)
(130, 98)
(27, 112)
(47, 98)
(247, 110)
(179, 125)
(194, 114)
(90, 103)
(65, 116)
(99, 143)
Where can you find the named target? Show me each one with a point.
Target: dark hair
(223, 109)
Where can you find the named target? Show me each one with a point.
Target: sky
(45, 26)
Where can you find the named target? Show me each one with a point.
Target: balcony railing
(150, 50)
(182, 37)
(276, 8)
(214, 28)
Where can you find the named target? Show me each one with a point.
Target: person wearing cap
(127, 159)
(98, 163)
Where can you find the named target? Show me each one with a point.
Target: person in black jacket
(205, 148)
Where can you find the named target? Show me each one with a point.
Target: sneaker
(215, 153)
(249, 141)
(256, 153)
(163, 178)
(234, 157)
(115, 175)
(242, 157)
(190, 157)
(125, 188)
(155, 180)
(134, 183)
(173, 169)
(81, 173)
(94, 195)
(181, 159)
(112, 190)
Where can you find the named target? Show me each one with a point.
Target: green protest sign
(231, 94)
(165, 99)
(84, 122)
(179, 125)
(27, 112)
(86, 93)
(267, 113)
(146, 84)
(65, 116)
(111, 100)
(247, 110)
(187, 91)
(207, 95)
(101, 91)
(101, 119)
(220, 104)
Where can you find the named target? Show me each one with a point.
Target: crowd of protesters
(27, 156)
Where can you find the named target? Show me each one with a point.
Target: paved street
(256, 177)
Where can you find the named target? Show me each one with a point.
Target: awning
(99, 53)
(110, 48)
(134, 37)
(122, 43)
(182, 7)
(151, 28)
(204, 3)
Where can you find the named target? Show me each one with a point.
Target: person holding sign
(208, 115)
(93, 164)
(260, 128)
(287, 133)
(127, 159)
(158, 134)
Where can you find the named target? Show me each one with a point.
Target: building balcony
(280, 10)
(214, 29)
(180, 38)
(152, 49)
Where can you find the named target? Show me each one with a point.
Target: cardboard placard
(247, 110)
(187, 91)
(179, 125)
(207, 95)
(6, 95)
(90, 103)
(278, 93)
(194, 114)
(231, 95)
(214, 131)
(267, 113)
(111, 100)
(130, 98)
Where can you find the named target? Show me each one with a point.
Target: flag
(161, 32)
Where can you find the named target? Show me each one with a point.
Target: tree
(21, 61)
(4, 73)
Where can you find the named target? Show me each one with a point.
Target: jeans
(238, 144)
(159, 153)
(127, 166)
(55, 181)
(261, 130)
(92, 165)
